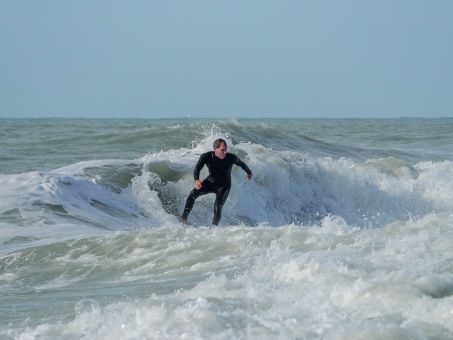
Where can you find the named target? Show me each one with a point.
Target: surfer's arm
(196, 172)
(200, 164)
(244, 167)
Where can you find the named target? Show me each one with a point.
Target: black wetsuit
(218, 181)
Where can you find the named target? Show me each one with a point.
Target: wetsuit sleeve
(200, 164)
(244, 166)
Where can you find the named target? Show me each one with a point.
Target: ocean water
(344, 232)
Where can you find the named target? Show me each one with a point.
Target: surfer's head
(220, 148)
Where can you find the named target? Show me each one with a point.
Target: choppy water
(345, 231)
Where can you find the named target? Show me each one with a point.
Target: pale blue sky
(154, 59)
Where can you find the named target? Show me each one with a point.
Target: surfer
(219, 163)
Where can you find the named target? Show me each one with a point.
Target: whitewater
(344, 232)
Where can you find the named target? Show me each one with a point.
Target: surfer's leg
(194, 194)
(220, 199)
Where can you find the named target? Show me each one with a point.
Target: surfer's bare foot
(183, 221)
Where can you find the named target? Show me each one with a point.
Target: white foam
(266, 282)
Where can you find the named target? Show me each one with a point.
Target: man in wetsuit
(219, 164)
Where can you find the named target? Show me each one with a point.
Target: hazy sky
(152, 59)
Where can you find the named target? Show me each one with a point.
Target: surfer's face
(221, 151)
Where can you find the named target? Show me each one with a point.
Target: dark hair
(219, 142)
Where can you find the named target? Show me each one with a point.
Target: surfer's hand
(249, 176)
(197, 184)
